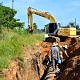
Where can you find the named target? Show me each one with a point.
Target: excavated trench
(70, 68)
(34, 66)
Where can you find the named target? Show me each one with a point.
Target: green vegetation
(73, 24)
(7, 19)
(11, 43)
(13, 36)
(2, 79)
(35, 26)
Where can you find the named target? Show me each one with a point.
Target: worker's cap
(55, 44)
(61, 46)
(65, 46)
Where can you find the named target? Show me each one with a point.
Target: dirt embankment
(70, 68)
(15, 71)
(33, 68)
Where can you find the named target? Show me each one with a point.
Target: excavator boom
(46, 15)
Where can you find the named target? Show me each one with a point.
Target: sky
(65, 11)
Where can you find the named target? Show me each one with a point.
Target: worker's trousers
(54, 64)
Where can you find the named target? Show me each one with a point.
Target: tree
(7, 19)
(34, 26)
(77, 26)
(72, 24)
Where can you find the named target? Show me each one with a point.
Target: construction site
(36, 59)
(35, 62)
(69, 68)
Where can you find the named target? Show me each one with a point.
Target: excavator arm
(53, 29)
(46, 15)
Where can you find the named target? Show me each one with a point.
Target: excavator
(51, 29)
(46, 15)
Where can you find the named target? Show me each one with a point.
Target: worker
(62, 50)
(57, 54)
(61, 56)
(65, 50)
(54, 55)
(46, 61)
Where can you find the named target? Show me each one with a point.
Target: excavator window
(52, 27)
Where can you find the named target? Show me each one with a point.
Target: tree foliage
(7, 19)
(35, 26)
(72, 24)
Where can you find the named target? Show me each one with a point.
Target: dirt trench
(70, 68)
(33, 68)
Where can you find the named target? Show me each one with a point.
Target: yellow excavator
(46, 15)
(51, 29)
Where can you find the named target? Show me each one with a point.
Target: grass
(11, 43)
(2, 79)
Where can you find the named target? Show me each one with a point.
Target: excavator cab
(51, 29)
